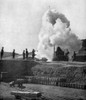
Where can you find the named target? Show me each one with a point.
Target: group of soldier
(2, 53)
(61, 55)
(25, 53)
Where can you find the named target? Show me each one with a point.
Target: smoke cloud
(56, 31)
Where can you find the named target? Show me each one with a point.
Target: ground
(75, 72)
(53, 92)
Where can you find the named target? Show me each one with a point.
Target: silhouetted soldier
(33, 54)
(13, 53)
(74, 56)
(23, 54)
(2, 52)
(26, 54)
(66, 54)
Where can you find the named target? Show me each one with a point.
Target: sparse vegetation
(73, 73)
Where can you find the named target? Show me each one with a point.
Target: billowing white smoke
(56, 31)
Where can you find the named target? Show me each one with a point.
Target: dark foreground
(74, 72)
(50, 92)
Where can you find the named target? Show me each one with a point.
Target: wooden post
(1, 75)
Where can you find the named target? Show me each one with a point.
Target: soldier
(13, 54)
(23, 54)
(2, 52)
(26, 53)
(33, 54)
(74, 55)
(66, 54)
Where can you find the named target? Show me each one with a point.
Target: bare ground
(53, 92)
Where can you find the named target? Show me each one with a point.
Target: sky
(21, 21)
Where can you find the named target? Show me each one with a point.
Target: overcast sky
(20, 20)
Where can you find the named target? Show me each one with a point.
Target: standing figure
(13, 54)
(33, 54)
(74, 55)
(2, 52)
(26, 53)
(23, 54)
(67, 55)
